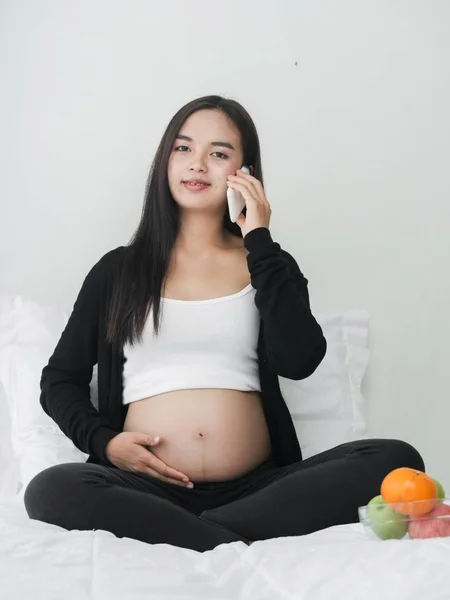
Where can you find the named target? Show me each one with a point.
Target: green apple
(385, 522)
(440, 490)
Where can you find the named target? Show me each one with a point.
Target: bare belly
(208, 434)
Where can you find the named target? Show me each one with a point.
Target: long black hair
(138, 282)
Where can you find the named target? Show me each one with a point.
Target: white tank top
(201, 344)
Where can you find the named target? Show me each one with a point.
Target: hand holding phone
(236, 200)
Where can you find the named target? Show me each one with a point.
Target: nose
(198, 164)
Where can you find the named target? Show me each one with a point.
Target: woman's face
(212, 152)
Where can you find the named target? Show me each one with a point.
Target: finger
(245, 190)
(240, 220)
(256, 183)
(155, 441)
(258, 189)
(157, 475)
(252, 194)
(248, 176)
(163, 469)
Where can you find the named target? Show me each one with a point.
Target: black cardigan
(291, 344)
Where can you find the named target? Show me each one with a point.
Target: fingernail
(156, 439)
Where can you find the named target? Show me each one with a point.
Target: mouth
(195, 186)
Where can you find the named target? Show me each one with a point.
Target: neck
(202, 234)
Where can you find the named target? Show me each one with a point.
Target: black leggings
(268, 502)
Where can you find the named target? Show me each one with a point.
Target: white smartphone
(236, 200)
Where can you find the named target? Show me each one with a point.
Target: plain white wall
(351, 102)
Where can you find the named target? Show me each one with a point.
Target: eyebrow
(224, 144)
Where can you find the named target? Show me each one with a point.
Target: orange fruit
(404, 486)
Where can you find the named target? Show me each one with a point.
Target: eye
(223, 155)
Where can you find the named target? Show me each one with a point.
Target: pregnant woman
(190, 325)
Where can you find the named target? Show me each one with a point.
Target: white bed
(38, 560)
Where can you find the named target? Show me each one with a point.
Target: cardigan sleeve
(294, 340)
(65, 380)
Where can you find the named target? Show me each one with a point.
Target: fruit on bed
(440, 490)
(409, 491)
(412, 502)
(384, 521)
(430, 525)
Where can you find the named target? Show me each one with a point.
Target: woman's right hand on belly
(128, 451)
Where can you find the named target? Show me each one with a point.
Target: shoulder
(109, 261)
(105, 267)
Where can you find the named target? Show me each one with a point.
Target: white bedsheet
(38, 560)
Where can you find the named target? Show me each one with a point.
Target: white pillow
(37, 441)
(326, 407)
(9, 467)
(29, 333)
